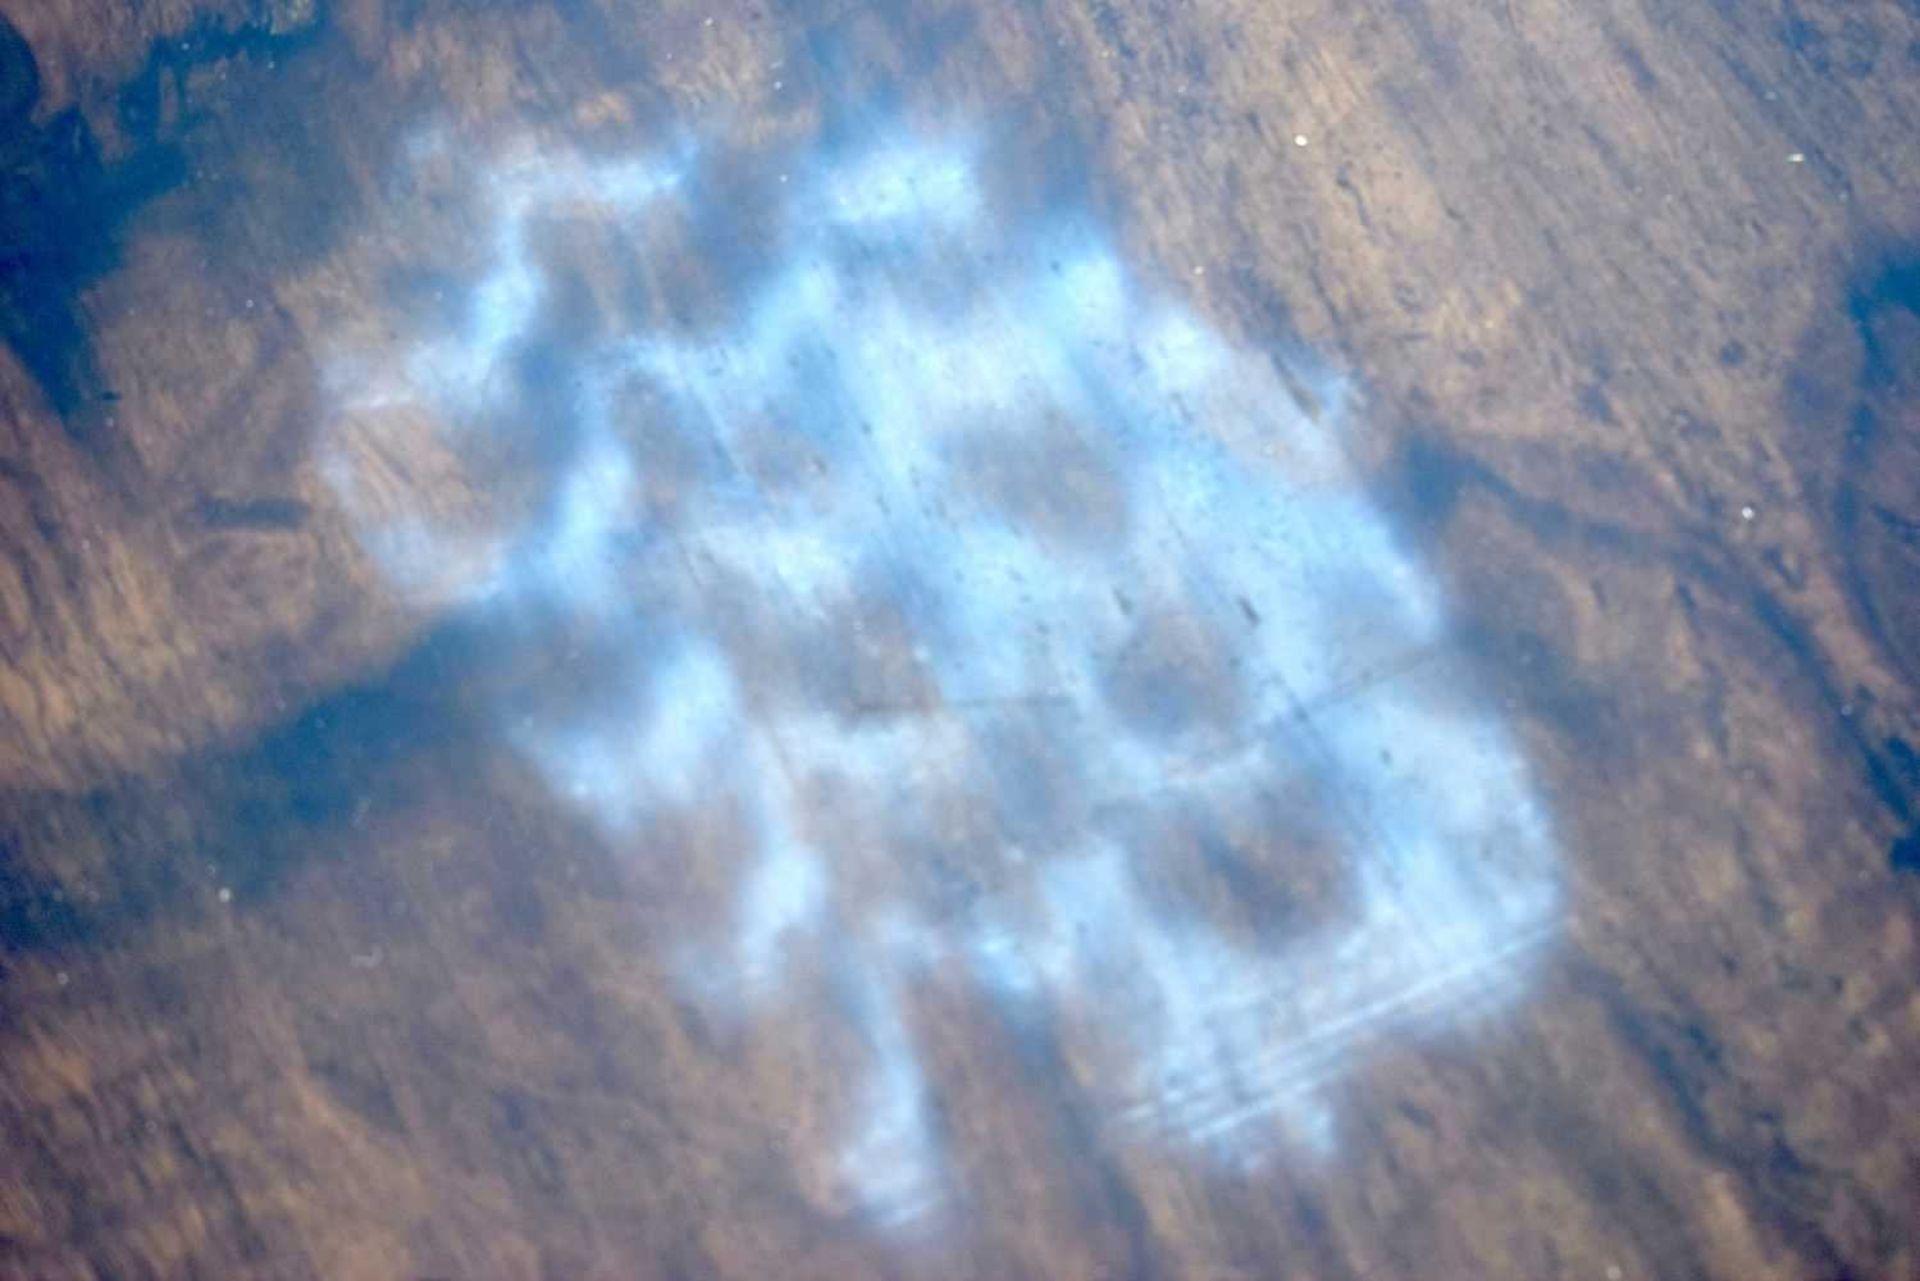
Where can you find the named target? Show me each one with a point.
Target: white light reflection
(957, 546)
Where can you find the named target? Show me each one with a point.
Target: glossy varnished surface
(959, 641)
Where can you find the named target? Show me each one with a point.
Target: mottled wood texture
(1626, 286)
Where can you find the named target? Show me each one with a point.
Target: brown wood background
(1611, 272)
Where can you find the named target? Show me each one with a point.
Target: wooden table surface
(1275, 638)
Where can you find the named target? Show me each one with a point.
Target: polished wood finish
(307, 972)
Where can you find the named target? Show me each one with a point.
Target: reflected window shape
(1022, 626)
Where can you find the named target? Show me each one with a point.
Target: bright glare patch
(958, 554)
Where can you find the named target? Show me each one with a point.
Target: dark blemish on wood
(1595, 407)
(19, 78)
(355, 1081)
(518, 908)
(1636, 64)
(1431, 480)
(35, 915)
(1904, 761)
(1785, 567)
(1875, 506)
(1808, 42)
(252, 513)
(1858, 48)
(62, 209)
(264, 808)
(172, 61)
(1432, 40)
(1904, 854)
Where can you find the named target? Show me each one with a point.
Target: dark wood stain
(61, 215)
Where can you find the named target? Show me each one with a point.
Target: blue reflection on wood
(957, 554)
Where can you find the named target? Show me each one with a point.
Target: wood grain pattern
(307, 972)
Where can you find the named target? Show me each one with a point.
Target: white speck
(1797, 158)
(1299, 140)
(1746, 513)
(1199, 271)
(779, 84)
(226, 895)
(63, 978)
(1613, 1272)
